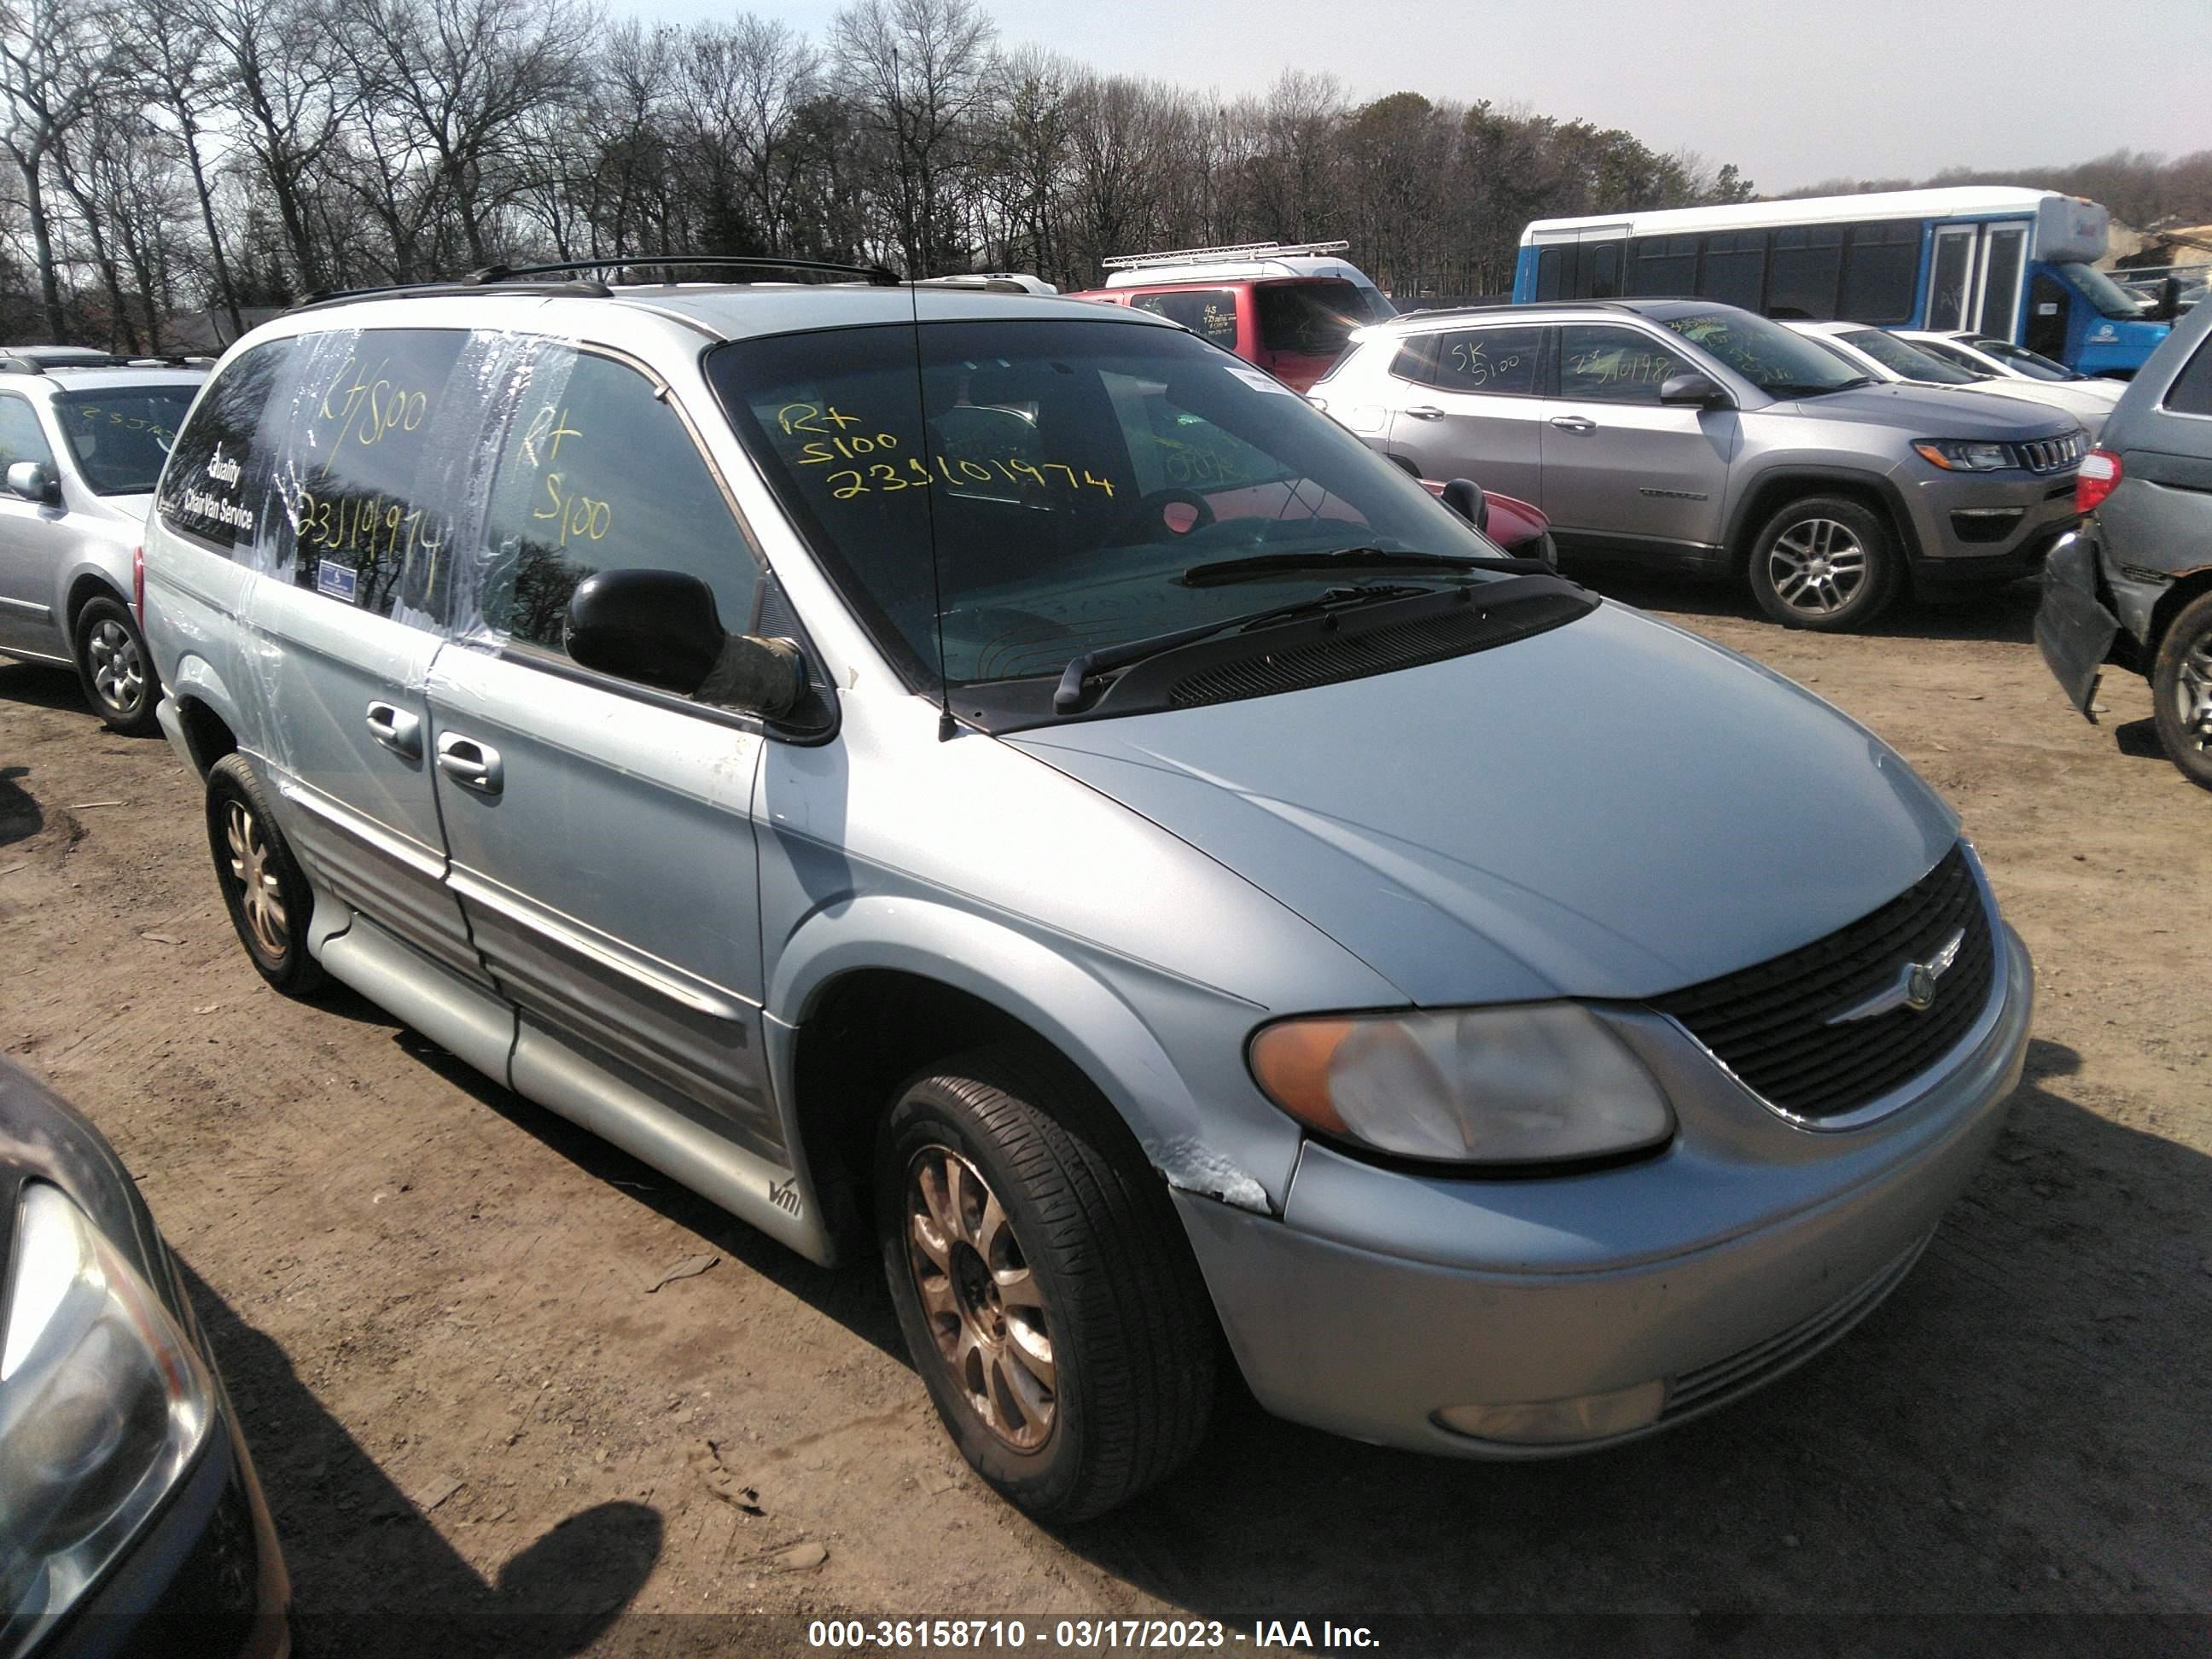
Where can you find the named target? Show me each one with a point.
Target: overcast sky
(1791, 93)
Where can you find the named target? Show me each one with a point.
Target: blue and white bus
(2017, 265)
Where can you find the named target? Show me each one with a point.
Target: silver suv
(1711, 439)
(2134, 587)
(999, 774)
(80, 449)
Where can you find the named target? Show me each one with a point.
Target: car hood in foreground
(1615, 808)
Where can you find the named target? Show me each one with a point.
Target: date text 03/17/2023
(1004, 1635)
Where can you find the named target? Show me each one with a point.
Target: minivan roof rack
(875, 275)
(1229, 253)
(11, 364)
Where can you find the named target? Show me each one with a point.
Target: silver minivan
(999, 777)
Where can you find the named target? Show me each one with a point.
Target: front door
(602, 834)
(1480, 414)
(336, 658)
(1619, 465)
(31, 540)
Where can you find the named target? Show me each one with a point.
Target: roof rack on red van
(1233, 252)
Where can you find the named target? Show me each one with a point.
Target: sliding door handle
(471, 764)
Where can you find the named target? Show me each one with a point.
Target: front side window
(1499, 362)
(597, 472)
(22, 438)
(1903, 358)
(121, 438)
(2109, 298)
(1041, 489)
(1210, 313)
(1777, 361)
(1600, 363)
(213, 486)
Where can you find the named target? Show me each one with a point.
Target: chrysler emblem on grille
(1914, 987)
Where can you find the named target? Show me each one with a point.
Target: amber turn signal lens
(1291, 1061)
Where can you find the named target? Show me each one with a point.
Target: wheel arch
(1768, 493)
(86, 584)
(206, 711)
(2186, 589)
(866, 994)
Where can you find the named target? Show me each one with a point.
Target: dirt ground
(433, 1301)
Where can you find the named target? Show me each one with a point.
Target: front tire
(1826, 563)
(1045, 1289)
(115, 668)
(2181, 691)
(263, 885)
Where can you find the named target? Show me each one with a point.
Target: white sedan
(1893, 357)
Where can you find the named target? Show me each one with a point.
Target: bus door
(1997, 296)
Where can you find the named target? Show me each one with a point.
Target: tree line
(171, 155)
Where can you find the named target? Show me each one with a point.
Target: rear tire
(1826, 563)
(115, 668)
(2181, 691)
(1042, 1281)
(267, 893)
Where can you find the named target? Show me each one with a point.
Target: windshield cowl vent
(1349, 655)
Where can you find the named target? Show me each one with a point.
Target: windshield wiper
(1349, 558)
(1795, 389)
(1090, 664)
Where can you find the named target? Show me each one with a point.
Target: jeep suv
(80, 449)
(2134, 587)
(1713, 440)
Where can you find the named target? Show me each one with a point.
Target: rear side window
(213, 486)
(1499, 362)
(1417, 360)
(597, 472)
(2192, 391)
(1210, 313)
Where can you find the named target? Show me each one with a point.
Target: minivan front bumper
(1569, 1320)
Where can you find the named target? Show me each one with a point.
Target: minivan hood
(1933, 411)
(1615, 808)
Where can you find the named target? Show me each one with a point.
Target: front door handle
(397, 729)
(1425, 412)
(471, 764)
(1574, 423)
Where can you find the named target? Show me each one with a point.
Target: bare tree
(56, 60)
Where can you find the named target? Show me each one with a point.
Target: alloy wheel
(261, 899)
(983, 1303)
(1817, 566)
(2192, 691)
(118, 668)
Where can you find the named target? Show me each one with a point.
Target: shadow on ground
(370, 1574)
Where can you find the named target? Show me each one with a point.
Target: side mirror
(661, 629)
(1464, 497)
(2169, 301)
(34, 480)
(1700, 389)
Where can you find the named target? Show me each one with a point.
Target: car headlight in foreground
(1536, 1083)
(103, 1403)
(1964, 455)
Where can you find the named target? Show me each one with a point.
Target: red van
(1286, 309)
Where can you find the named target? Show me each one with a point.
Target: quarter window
(1606, 365)
(597, 472)
(1416, 360)
(1500, 361)
(214, 485)
(1210, 313)
(2192, 391)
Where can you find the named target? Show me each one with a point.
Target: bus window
(1734, 268)
(1947, 287)
(1551, 267)
(1808, 265)
(2004, 248)
(1881, 272)
(1663, 267)
(1600, 276)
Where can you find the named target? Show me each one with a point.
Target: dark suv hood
(1936, 411)
(1615, 808)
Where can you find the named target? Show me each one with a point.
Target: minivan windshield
(1777, 361)
(1022, 492)
(1315, 319)
(121, 435)
(1903, 358)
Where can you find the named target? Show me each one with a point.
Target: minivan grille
(1351, 656)
(2051, 454)
(1769, 1024)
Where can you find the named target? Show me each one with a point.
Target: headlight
(1960, 455)
(102, 1404)
(1535, 1082)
